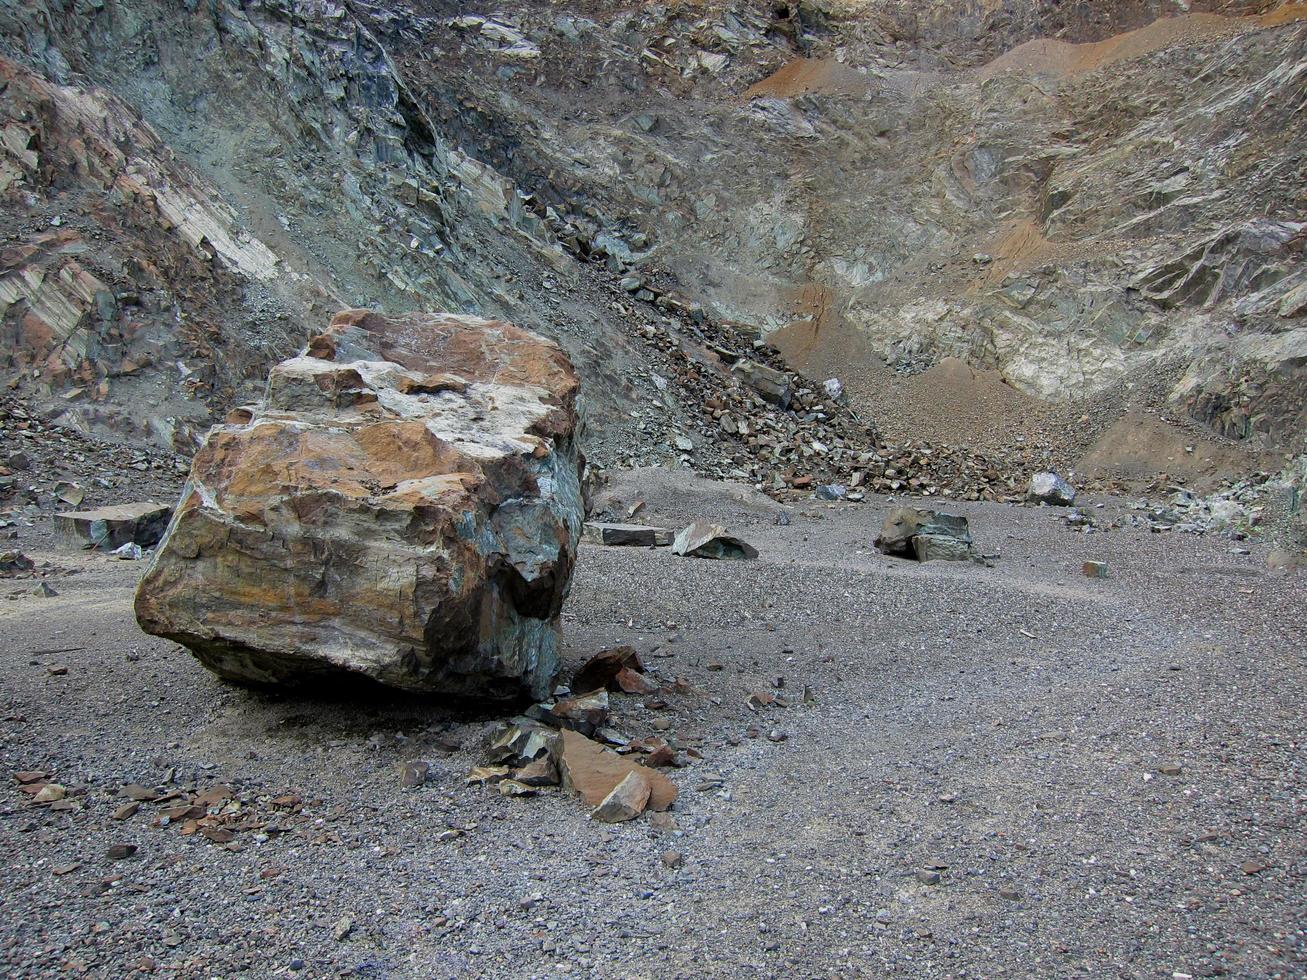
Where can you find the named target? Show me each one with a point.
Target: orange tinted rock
(593, 772)
(405, 505)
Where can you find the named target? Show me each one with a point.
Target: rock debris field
(890, 769)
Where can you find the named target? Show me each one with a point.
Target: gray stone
(627, 534)
(941, 547)
(703, 540)
(1049, 488)
(926, 535)
(108, 528)
(773, 385)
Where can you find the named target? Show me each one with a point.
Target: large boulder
(405, 506)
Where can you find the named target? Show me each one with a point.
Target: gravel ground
(1013, 770)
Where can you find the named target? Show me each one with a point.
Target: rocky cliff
(997, 223)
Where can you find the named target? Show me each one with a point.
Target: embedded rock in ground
(1049, 488)
(405, 506)
(627, 534)
(108, 528)
(703, 540)
(925, 535)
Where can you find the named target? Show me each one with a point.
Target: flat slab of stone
(627, 534)
(593, 772)
(107, 528)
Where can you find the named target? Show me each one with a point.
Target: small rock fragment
(486, 775)
(630, 682)
(49, 793)
(414, 773)
(511, 787)
(601, 670)
(626, 801)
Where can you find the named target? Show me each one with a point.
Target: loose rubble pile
(754, 420)
(566, 743)
(218, 813)
(47, 467)
(404, 507)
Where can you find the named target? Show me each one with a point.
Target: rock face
(405, 506)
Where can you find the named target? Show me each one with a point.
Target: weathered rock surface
(593, 772)
(111, 527)
(703, 540)
(405, 506)
(601, 671)
(627, 534)
(1049, 488)
(926, 535)
(626, 801)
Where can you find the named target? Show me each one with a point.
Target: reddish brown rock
(601, 670)
(626, 800)
(405, 506)
(593, 772)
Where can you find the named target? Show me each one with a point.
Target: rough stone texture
(627, 534)
(1049, 488)
(601, 670)
(941, 547)
(405, 506)
(592, 771)
(772, 384)
(110, 527)
(704, 540)
(910, 532)
(626, 801)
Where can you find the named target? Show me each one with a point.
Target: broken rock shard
(405, 506)
(702, 540)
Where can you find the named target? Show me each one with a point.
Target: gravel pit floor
(1013, 770)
